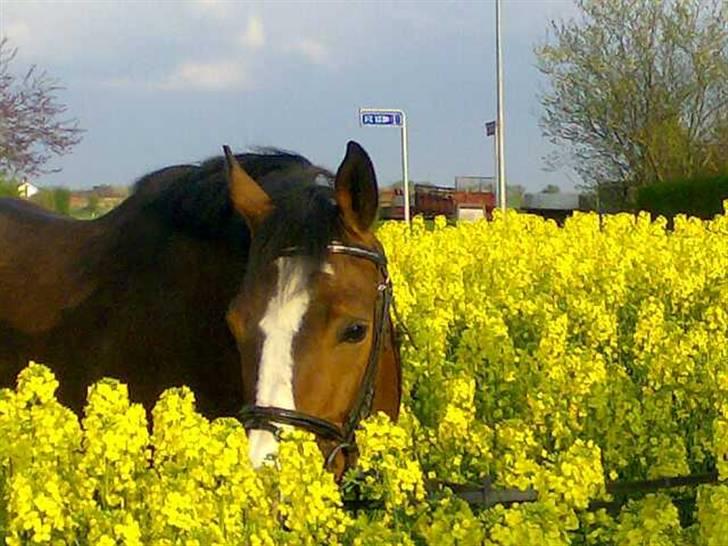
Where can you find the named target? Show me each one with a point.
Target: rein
(271, 418)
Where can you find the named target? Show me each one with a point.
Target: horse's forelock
(305, 218)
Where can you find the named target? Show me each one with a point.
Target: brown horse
(255, 280)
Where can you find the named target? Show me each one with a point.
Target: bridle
(272, 418)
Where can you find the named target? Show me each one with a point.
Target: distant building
(555, 206)
(475, 183)
(106, 191)
(101, 198)
(551, 201)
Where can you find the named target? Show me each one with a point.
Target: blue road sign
(383, 117)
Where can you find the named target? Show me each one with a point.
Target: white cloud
(313, 50)
(17, 32)
(254, 36)
(211, 76)
(52, 31)
(193, 76)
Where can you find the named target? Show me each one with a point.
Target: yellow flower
(542, 357)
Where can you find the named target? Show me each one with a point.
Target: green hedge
(701, 197)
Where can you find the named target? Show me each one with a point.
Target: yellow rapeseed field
(544, 357)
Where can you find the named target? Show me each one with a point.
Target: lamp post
(499, 125)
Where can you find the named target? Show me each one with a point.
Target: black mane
(194, 200)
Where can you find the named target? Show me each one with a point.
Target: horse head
(311, 319)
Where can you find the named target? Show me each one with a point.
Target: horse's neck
(40, 271)
(163, 307)
(51, 266)
(150, 277)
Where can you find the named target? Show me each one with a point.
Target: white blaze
(279, 325)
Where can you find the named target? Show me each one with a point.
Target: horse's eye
(354, 333)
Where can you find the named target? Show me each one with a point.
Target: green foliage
(93, 205)
(62, 200)
(8, 188)
(56, 199)
(44, 198)
(702, 198)
(636, 92)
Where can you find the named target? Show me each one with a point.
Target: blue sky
(158, 83)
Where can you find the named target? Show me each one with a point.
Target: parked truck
(430, 201)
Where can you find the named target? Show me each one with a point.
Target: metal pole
(494, 186)
(405, 170)
(499, 125)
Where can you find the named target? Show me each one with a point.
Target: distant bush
(62, 200)
(54, 199)
(8, 188)
(702, 197)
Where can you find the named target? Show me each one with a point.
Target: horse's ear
(248, 198)
(356, 189)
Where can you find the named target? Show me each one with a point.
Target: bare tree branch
(32, 124)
